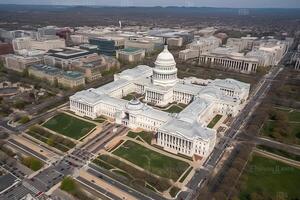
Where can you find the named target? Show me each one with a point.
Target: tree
(3, 157)
(69, 185)
(219, 196)
(24, 120)
(32, 163)
(256, 196)
(19, 104)
(50, 141)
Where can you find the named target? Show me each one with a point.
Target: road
(233, 132)
(258, 95)
(78, 158)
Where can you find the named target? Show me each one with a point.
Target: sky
(188, 3)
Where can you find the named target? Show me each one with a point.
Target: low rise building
(20, 63)
(141, 43)
(21, 43)
(93, 65)
(130, 55)
(206, 32)
(63, 58)
(174, 37)
(71, 79)
(79, 39)
(199, 46)
(228, 58)
(241, 44)
(44, 44)
(6, 48)
(108, 45)
(45, 72)
(56, 76)
(89, 47)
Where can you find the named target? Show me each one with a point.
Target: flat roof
(131, 49)
(67, 53)
(73, 74)
(47, 69)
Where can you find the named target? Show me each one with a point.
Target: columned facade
(165, 71)
(185, 132)
(243, 65)
(175, 143)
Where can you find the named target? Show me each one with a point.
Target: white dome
(134, 104)
(165, 58)
(165, 71)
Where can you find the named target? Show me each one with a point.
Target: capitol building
(186, 132)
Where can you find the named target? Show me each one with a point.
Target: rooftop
(68, 53)
(189, 130)
(73, 74)
(131, 50)
(47, 69)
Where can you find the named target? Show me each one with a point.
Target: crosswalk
(18, 192)
(30, 187)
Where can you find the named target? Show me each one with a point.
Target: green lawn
(146, 136)
(174, 109)
(214, 121)
(185, 174)
(279, 152)
(270, 178)
(135, 175)
(292, 138)
(151, 161)
(131, 96)
(293, 115)
(69, 126)
(174, 190)
(54, 140)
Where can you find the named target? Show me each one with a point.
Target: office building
(20, 63)
(108, 45)
(228, 58)
(199, 46)
(130, 55)
(93, 65)
(63, 58)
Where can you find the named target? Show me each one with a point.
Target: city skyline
(187, 3)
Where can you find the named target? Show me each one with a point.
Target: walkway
(103, 184)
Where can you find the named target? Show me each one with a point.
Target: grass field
(293, 115)
(279, 152)
(131, 96)
(133, 174)
(146, 136)
(185, 174)
(69, 126)
(214, 121)
(270, 178)
(151, 161)
(174, 109)
(54, 140)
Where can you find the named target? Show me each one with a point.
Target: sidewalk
(108, 187)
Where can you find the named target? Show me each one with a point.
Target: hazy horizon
(164, 3)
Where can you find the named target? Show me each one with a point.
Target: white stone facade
(199, 46)
(186, 132)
